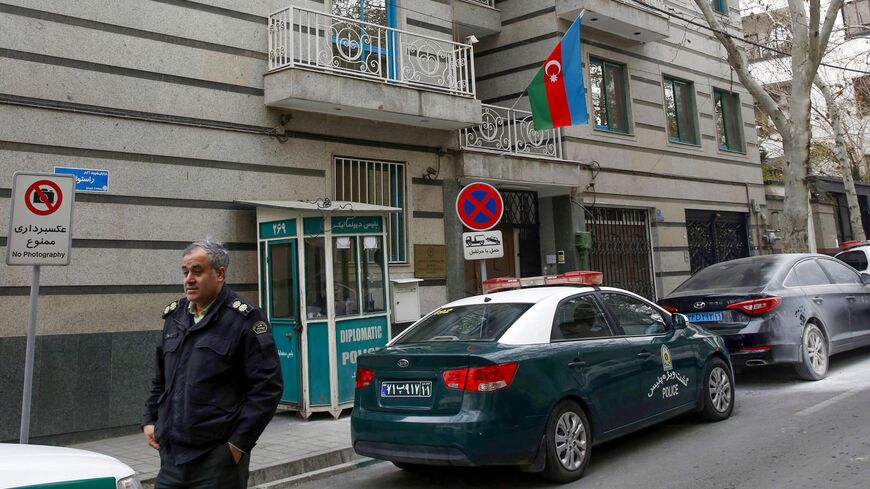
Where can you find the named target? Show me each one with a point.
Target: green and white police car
(38, 466)
(535, 377)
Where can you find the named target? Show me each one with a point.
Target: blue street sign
(87, 180)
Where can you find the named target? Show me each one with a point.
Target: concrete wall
(642, 169)
(168, 97)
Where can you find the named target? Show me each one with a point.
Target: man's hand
(237, 454)
(148, 429)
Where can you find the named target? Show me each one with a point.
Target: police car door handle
(577, 363)
(850, 298)
(644, 355)
(817, 300)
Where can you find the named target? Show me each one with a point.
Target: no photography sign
(41, 219)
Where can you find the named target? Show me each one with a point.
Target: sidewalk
(290, 449)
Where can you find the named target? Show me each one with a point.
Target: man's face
(202, 283)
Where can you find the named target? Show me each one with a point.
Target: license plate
(414, 388)
(705, 317)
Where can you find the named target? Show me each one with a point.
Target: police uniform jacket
(217, 381)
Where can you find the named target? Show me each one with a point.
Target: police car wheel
(718, 392)
(568, 443)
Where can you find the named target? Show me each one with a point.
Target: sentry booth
(323, 282)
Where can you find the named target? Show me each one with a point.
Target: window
(579, 317)
(856, 17)
(839, 273)
(779, 42)
(855, 259)
(360, 46)
(862, 94)
(635, 316)
(728, 122)
(346, 281)
(807, 273)
(680, 107)
(376, 182)
(609, 97)
(720, 6)
(315, 278)
(481, 322)
(374, 292)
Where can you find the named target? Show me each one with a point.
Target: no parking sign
(479, 206)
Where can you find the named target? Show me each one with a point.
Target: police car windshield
(480, 322)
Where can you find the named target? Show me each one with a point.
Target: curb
(309, 468)
(319, 474)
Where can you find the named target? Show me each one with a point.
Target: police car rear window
(480, 322)
(856, 259)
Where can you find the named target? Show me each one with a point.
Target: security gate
(621, 248)
(715, 237)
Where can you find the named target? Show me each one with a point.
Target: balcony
(637, 21)
(476, 17)
(335, 65)
(506, 147)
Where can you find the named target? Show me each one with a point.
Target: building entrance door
(283, 309)
(715, 237)
(621, 248)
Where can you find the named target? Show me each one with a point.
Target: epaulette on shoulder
(170, 308)
(240, 306)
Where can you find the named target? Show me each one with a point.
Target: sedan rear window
(749, 273)
(480, 322)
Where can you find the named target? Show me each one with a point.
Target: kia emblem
(699, 305)
(403, 362)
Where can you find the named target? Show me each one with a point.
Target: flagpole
(518, 98)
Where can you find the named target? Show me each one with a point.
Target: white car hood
(22, 465)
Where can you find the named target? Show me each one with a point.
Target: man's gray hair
(216, 251)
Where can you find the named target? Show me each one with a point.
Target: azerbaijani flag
(556, 94)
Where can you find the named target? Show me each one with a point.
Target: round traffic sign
(49, 199)
(479, 206)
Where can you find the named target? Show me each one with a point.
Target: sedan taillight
(757, 307)
(364, 377)
(481, 379)
(670, 309)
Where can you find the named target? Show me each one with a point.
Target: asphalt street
(784, 433)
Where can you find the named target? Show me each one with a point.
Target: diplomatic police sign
(41, 219)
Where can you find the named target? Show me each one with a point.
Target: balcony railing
(488, 3)
(657, 4)
(510, 131)
(300, 37)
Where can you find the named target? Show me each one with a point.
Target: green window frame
(609, 94)
(720, 6)
(728, 122)
(380, 183)
(680, 111)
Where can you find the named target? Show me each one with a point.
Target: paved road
(785, 433)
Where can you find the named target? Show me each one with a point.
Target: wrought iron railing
(488, 3)
(510, 131)
(301, 37)
(659, 7)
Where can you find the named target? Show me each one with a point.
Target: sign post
(40, 233)
(480, 207)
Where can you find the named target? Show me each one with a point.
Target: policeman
(217, 381)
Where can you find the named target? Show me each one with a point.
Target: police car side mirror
(680, 321)
(865, 278)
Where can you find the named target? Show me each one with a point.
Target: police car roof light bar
(583, 278)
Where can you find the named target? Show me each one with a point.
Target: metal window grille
(379, 183)
(621, 248)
